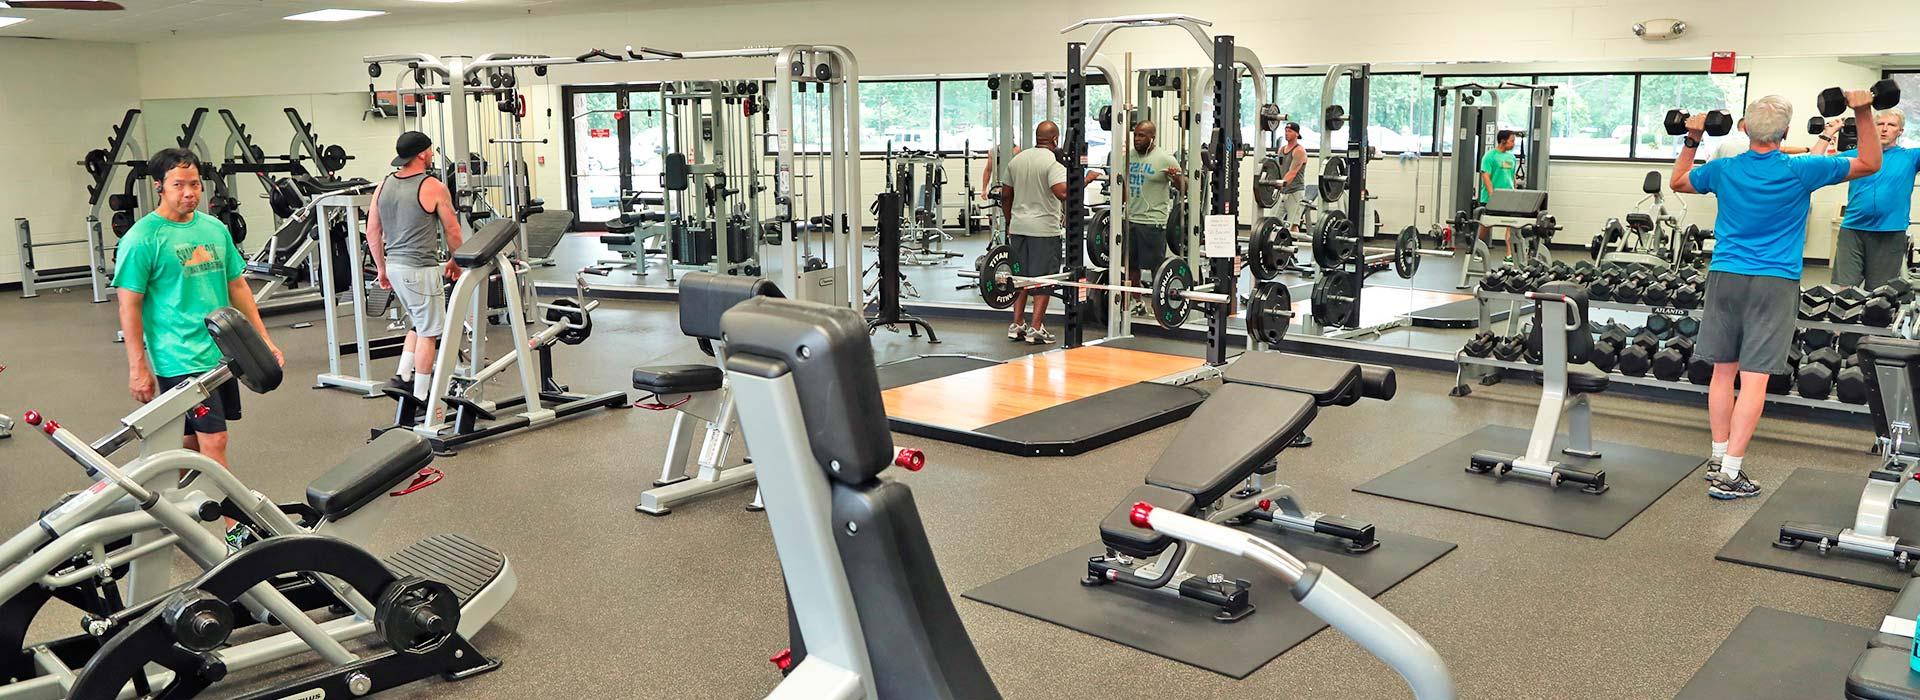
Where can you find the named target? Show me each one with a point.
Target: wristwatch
(1824, 137)
(1692, 142)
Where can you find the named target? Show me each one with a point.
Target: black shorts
(222, 405)
(1035, 256)
(1146, 246)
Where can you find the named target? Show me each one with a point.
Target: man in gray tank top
(1293, 159)
(410, 211)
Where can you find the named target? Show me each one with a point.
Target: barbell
(1333, 244)
(1170, 299)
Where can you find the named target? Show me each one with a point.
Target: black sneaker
(1727, 489)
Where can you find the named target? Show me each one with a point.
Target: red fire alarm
(1722, 62)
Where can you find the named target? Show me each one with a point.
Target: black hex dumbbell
(1846, 305)
(1780, 383)
(1658, 291)
(1637, 357)
(1700, 371)
(1686, 326)
(1671, 362)
(1660, 326)
(1606, 349)
(1848, 344)
(1686, 296)
(1816, 374)
(1481, 344)
(1629, 289)
(1850, 386)
(1816, 338)
(1603, 284)
(1510, 348)
(1816, 302)
(1881, 306)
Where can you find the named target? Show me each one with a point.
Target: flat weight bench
(1564, 392)
(1232, 440)
(700, 395)
(1881, 672)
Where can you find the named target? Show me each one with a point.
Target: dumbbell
(1794, 357)
(1780, 383)
(1601, 288)
(1700, 371)
(1686, 296)
(1660, 326)
(1848, 344)
(1817, 301)
(1658, 291)
(1606, 349)
(1816, 373)
(1687, 326)
(1671, 362)
(1481, 344)
(1880, 308)
(1815, 338)
(1719, 122)
(1628, 291)
(1584, 271)
(1846, 305)
(1510, 348)
(1832, 101)
(1637, 357)
(1850, 386)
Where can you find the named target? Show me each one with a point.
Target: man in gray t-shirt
(1036, 227)
(411, 209)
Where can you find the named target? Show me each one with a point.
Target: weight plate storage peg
(996, 269)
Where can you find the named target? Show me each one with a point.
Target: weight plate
(1267, 312)
(415, 615)
(1333, 179)
(996, 268)
(1332, 303)
(1266, 184)
(1264, 257)
(1333, 241)
(1406, 253)
(333, 158)
(1170, 307)
(1095, 233)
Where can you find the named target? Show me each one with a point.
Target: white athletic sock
(1719, 450)
(406, 365)
(1730, 466)
(422, 383)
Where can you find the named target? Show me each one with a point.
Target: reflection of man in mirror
(1872, 243)
(1035, 227)
(1497, 169)
(1753, 286)
(1293, 160)
(1152, 177)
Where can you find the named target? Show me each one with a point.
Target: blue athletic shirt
(1764, 197)
(1880, 202)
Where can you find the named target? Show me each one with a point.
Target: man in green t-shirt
(177, 265)
(1496, 173)
(1152, 175)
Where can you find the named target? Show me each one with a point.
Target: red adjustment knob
(910, 458)
(1138, 516)
(50, 427)
(200, 411)
(1266, 504)
(783, 660)
(32, 417)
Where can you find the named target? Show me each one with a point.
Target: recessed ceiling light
(334, 15)
(10, 21)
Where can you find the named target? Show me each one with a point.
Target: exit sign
(600, 133)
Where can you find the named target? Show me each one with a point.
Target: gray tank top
(411, 232)
(1287, 160)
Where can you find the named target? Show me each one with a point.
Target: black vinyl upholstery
(705, 296)
(1581, 379)
(1118, 532)
(828, 352)
(370, 471)
(678, 379)
(1237, 429)
(1329, 382)
(1882, 674)
(916, 642)
(247, 353)
(481, 247)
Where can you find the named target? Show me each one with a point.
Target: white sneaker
(1016, 331)
(1039, 336)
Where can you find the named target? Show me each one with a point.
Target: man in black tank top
(411, 209)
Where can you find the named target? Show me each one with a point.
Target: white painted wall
(46, 125)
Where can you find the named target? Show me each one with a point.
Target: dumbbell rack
(1471, 367)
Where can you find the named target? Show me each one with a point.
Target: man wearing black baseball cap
(411, 209)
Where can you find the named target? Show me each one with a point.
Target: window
(596, 155)
(966, 116)
(1909, 104)
(897, 114)
(648, 147)
(1098, 97)
(1693, 92)
(1298, 97)
(1400, 106)
(1592, 115)
(1514, 110)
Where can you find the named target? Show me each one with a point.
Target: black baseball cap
(411, 144)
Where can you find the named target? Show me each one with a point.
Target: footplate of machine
(463, 564)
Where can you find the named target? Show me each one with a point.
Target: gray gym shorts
(1748, 320)
(419, 291)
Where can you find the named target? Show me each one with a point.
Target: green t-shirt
(1149, 188)
(183, 269)
(1499, 166)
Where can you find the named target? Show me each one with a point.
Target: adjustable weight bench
(1232, 440)
(700, 394)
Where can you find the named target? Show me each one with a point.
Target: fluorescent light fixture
(10, 21)
(445, 2)
(334, 15)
